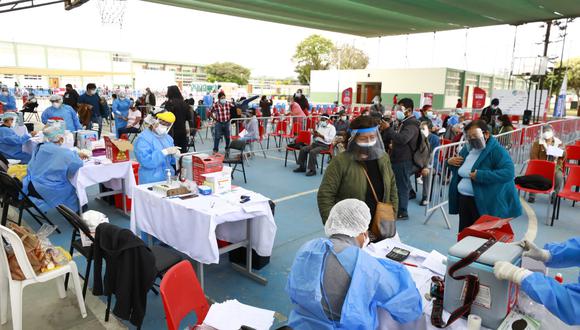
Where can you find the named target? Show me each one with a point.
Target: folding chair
(546, 169)
(573, 180)
(329, 152)
(181, 293)
(238, 158)
(258, 140)
(16, 288)
(296, 128)
(303, 137)
(11, 190)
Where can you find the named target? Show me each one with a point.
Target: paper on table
(420, 275)
(554, 151)
(231, 315)
(435, 262)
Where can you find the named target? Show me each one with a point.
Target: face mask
(477, 143)
(494, 107)
(343, 118)
(548, 135)
(498, 123)
(323, 124)
(5, 93)
(400, 115)
(430, 114)
(367, 144)
(223, 101)
(56, 104)
(298, 94)
(425, 132)
(121, 97)
(161, 129)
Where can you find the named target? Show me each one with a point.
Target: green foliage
(227, 72)
(348, 57)
(313, 53)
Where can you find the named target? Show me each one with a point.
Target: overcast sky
(156, 31)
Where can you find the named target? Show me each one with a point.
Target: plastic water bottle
(168, 175)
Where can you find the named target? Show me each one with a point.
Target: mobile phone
(398, 254)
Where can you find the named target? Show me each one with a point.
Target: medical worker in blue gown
(562, 300)
(50, 169)
(154, 148)
(334, 284)
(60, 110)
(10, 142)
(121, 107)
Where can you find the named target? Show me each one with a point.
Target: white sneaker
(419, 180)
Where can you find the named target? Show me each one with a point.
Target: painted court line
(285, 198)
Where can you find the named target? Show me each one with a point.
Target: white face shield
(366, 144)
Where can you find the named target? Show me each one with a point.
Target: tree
(313, 53)
(555, 78)
(227, 72)
(349, 57)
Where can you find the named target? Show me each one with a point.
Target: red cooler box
(119, 197)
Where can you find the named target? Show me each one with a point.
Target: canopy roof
(373, 18)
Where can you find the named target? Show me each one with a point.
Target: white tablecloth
(192, 226)
(422, 278)
(112, 174)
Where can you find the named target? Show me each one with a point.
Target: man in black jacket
(130, 271)
(404, 142)
(492, 112)
(71, 97)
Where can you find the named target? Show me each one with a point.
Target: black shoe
(424, 202)
(403, 216)
(531, 200)
(311, 173)
(412, 194)
(300, 170)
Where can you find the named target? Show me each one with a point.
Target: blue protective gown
(562, 300)
(49, 170)
(375, 283)
(11, 144)
(67, 113)
(121, 109)
(152, 163)
(10, 102)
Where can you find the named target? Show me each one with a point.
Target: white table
(422, 278)
(116, 176)
(193, 226)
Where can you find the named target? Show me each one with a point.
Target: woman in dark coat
(183, 113)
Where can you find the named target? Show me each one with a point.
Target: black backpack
(421, 152)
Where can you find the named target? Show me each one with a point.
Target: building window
(8, 76)
(121, 57)
(32, 77)
(453, 83)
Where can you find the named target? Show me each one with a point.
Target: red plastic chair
(181, 293)
(547, 170)
(573, 180)
(303, 137)
(330, 153)
(572, 154)
(577, 143)
(281, 128)
(296, 128)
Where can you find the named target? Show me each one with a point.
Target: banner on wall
(478, 98)
(515, 102)
(560, 107)
(426, 99)
(346, 99)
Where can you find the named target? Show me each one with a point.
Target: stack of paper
(231, 315)
(436, 262)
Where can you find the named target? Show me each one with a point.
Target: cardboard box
(219, 182)
(85, 139)
(118, 150)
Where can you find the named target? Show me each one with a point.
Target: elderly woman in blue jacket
(483, 178)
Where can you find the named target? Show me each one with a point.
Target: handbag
(34, 251)
(383, 222)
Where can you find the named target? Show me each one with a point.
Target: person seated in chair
(133, 122)
(47, 181)
(323, 136)
(10, 142)
(31, 104)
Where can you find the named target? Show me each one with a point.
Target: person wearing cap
(47, 180)
(490, 113)
(562, 300)
(345, 176)
(323, 136)
(154, 148)
(60, 110)
(7, 100)
(10, 142)
(335, 284)
(121, 111)
(542, 150)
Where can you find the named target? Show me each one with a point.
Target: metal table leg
(200, 276)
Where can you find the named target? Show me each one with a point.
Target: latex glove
(504, 270)
(531, 250)
(170, 151)
(85, 154)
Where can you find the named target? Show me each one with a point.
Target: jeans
(426, 184)
(403, 170)
(221, 129)
(312, 150)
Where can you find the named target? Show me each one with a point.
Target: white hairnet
(54, 130)
(9, 115)
(349, 217)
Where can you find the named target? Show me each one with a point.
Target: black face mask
(477, 143)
